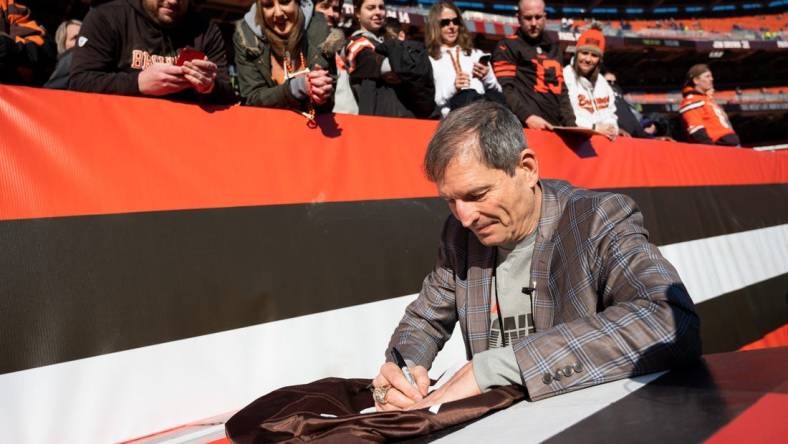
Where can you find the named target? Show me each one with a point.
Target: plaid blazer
(607, 305)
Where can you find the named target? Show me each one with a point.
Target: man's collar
(550, 212)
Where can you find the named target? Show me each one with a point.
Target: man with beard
(130, 47)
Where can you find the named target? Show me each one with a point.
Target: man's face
(704, 82)
(532, 17)
(166, 12)
(332, 9)
(72, 31)
(499, 209)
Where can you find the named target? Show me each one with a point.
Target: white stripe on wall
(129, 394)
(125, 395)
(717, 265)
(529, 422)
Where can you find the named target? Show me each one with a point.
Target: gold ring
(379, 394)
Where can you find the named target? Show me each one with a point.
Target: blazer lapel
(543, 302)
(481, 262)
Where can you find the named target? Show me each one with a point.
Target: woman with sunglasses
(378, 89)
(462, 74)
(281, 64)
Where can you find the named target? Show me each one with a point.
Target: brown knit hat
(695, 71)
(592, 41)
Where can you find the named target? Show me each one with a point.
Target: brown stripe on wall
(83, 286)
(75, 287)
(685, 405)
(738, 318)
(680, 214)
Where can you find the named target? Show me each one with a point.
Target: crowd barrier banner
(165, 262)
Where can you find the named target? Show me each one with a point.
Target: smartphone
(187, 54)
(485, 59)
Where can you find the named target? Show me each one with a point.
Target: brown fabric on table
(293, 414)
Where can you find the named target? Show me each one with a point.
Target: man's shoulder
(109, 17)
(113, 10)
(568, 204)
(511, 43)
(113, 5)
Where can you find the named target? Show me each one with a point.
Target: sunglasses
(454, 21)
(528, 18)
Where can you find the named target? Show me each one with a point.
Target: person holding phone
(462, 73)
(281, 64)
(131, 48)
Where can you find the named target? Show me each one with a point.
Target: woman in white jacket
(592, 98)
(461, 75)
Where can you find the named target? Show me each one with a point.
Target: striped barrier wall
(165, 262)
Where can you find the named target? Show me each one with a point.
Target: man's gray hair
(488, 128)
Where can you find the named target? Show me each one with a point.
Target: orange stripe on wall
(66, 153)
(764, 422)
(776, 338)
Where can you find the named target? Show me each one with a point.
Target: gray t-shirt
(498, 365)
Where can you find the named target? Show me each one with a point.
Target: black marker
(403, 366)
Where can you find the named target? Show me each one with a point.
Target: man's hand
(462, 81)
(462, 385)
(201, 74)
(161, 79)
(401, 395)
(480, 71)
(320, 85)
(535, 122)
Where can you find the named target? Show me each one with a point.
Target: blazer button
(578, 367)
(547, 378)
(568, 370)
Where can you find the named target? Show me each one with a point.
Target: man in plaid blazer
(605, 304)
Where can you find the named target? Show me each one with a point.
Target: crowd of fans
(292, 54)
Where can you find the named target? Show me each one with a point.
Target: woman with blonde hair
(593, 100)
(65, 39)
(462, 73)
(280, 64)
